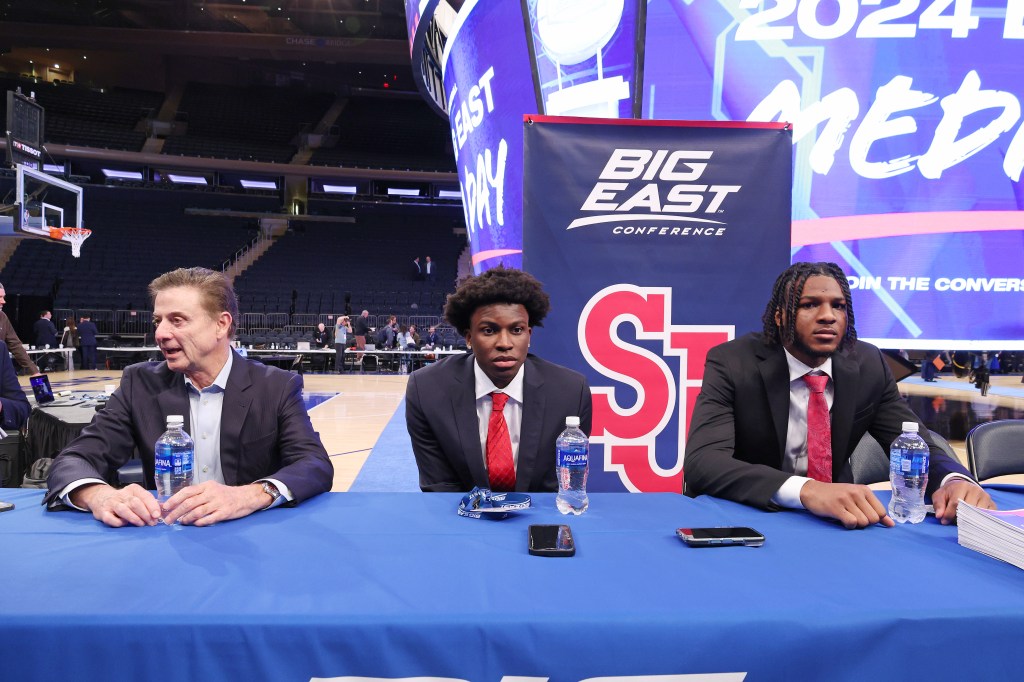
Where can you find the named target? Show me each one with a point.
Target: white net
(74, 235)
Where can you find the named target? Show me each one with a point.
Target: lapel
(463, 406)
(530, 429)
(173, 399)
(775, 375)
(844, 402)
(235, 407)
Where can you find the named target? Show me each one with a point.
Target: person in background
(69, 339)
(982, 374)
(780, 412)
(87, 332)
(262, 453)
(45, 334)
(14, 405)
(321, 339)
(342, 329)
(10, 338)
(361, 329)
(452, 404)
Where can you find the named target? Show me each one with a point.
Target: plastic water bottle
(175, 456)
(908, 473)
(572, 450)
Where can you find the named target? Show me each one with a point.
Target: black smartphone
(6, 506)
(41, 389)
(720, 537)
(551, 541)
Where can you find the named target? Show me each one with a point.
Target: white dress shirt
(513, 408)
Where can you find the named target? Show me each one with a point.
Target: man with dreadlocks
(757, 435)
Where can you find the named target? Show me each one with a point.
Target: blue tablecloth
(397, 585)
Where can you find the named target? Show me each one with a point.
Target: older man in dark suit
(753, 423)
(255, 445)
(490, 418)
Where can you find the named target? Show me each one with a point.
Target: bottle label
(571, 458)
(163, 463)
(910, 462)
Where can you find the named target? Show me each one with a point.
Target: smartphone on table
(721, 537)
(553, 540)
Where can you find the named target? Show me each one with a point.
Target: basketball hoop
(74, 235)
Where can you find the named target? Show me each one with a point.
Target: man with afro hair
(490, 418)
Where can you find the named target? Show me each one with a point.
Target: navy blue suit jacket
(87, 333)
(12, 396)
(265, 430)
(440, 413)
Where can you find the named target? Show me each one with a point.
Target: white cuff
(788, 494)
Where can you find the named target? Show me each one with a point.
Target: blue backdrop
(655, 241)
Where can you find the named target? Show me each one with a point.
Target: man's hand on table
(211, 502)
(854, 506)
(132, 504)
(946, 498)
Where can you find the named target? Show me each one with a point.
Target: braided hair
(789, 286)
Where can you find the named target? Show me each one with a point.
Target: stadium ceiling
(324, 31)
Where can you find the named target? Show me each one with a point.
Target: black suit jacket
(440, 412)
(265, 430)
(45, 333)
(737, 435)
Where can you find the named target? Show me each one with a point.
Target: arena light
(259, 184)
(340, 189)
(112, 174)
(402, 192)
(53, 168)
(187, 179)
(449, 194)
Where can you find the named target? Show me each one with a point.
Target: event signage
(907, 124)
(489, 88)
(908, 131)
(656, 241)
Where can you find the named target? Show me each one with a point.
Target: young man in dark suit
(267, 453)
(490, 418)
(749, 433)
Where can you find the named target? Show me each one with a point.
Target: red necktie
(819, 430)
(500, 468)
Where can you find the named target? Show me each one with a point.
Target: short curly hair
(497, 285)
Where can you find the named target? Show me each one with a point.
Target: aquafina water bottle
(571, 450)
(908, 473)
(175, 455)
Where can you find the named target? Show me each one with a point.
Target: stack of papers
(999, 534)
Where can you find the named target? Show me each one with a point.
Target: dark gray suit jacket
(265, 430)
(737, 436)
(440, 412)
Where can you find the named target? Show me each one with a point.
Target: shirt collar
(221, 381)
(484, 385)
(797, 369)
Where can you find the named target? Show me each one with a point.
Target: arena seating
(389, 133)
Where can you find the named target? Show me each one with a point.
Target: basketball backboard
(41, 205)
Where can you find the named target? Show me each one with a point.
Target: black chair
(996, 448)
(869, 461)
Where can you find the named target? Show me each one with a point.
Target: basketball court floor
(351, 412)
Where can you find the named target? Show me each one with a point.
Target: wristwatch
(270, 489)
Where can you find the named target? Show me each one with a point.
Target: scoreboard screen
(24, 131)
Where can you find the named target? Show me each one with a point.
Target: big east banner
(656, 241)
